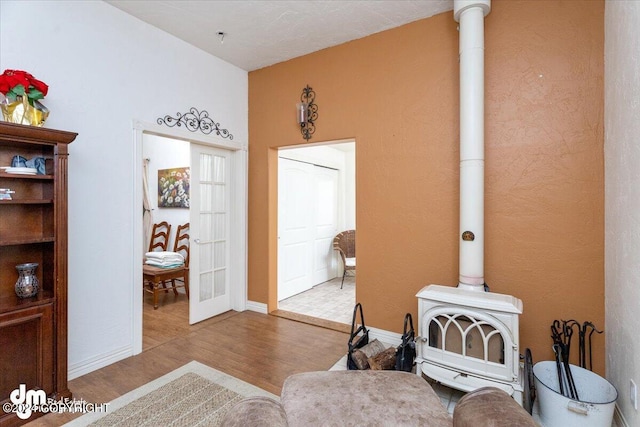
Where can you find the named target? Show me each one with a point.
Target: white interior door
(210, 214)
(295, 227)
(307, 223)
(326, 223)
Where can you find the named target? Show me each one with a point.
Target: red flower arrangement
(15, 83)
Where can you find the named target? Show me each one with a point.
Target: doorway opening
(216, 214)
(316, 201)
(162, 156)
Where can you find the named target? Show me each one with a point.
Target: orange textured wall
(396, 93)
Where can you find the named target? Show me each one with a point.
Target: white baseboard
(256, 306)
(618, 418)
(82, 368)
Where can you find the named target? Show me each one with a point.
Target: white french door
(210, 218)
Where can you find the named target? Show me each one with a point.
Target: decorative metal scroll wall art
(308, 112)
(195, 120)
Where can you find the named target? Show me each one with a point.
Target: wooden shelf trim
(17, 135)
(3, 174)
(26, 202)
(26, 240)
(12, 302)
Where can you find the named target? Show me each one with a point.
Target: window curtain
(147, 215)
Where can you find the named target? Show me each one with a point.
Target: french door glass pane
(206, 286)
(206, 220)
(219, 198)
(219, 252)
(206, 202)
(218, 169)
(220, 226)
(219, 283)
(206, 258)
(205, 167)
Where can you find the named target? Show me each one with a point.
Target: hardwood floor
(169, 321)
(260, 349)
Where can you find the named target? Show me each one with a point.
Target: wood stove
(469, 338)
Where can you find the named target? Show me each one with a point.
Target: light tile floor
(325, 301)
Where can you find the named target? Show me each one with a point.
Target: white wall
(106, 68)
(622, 199)
(165, 153)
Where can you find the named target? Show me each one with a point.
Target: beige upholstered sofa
(373, 398)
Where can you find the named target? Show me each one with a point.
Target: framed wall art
(173, 187)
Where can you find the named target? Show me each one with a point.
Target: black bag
(361, 341)
(406, 352)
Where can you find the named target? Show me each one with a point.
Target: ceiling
(261, 33)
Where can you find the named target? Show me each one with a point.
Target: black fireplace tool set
(561, 333)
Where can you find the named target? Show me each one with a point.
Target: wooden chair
(181, 245)
(345, 244)
(155, 277)
(160, 236)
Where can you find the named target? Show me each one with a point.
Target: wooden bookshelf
(33, 331)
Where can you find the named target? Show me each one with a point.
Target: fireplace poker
(581, 342)
(568, 327)
(572, 386)
(585, 325)
(568, 332)
(556, 334)
(558, 352)
(582, 336)
(561, 336)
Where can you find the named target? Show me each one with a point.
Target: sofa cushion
(359, 398)
(255, 411)
(490, 407)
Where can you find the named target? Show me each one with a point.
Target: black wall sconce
(307, 112)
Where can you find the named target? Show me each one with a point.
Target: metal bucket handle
(578, 407)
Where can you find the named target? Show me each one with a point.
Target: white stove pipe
(470, 14)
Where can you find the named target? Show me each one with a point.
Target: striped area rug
(193, 395)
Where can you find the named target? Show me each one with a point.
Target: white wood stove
(469, 338)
